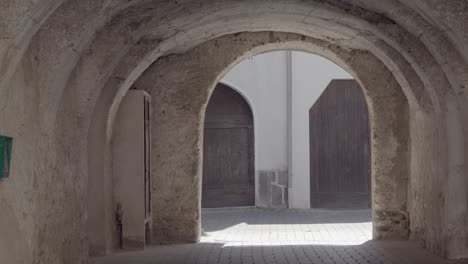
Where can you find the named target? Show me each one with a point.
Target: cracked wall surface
(65, 66)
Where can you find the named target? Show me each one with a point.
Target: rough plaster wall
(46, 173)
(41, 47)
(17, 219)
(426, 223)
(176, 150)
(180, 84)
(388, 112)
(437, 204)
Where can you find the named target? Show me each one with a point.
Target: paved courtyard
(254, 236)
(257, 227)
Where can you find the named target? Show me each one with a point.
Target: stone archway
(179, 113)
(420, 75)
(65, 65)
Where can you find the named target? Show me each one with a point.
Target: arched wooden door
(339, 148)
(228, 151)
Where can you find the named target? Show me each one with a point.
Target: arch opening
(383, 203)
(282, 86)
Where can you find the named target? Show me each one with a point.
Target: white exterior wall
(263, 75)
(263, 81)
(255, 78)
(311, 74)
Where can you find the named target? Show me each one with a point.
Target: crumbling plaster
(65, 65)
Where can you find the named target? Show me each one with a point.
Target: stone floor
(247, 235)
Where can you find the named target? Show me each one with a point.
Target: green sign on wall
(6, 144)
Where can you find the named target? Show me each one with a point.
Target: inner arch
(202, 82)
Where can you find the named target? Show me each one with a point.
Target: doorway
(228, 151)
(339, 148)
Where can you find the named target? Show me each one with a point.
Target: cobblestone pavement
(254, 236)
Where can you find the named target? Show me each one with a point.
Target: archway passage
(228, 156)
(61, 86)
(340, 148)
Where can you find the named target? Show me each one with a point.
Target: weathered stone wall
(66, 64)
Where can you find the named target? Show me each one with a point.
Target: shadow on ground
(219, 219)
(236, 232)
(373, 252)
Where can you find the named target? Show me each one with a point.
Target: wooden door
(339, 148)
(228, 167)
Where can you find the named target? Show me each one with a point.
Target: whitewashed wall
(311, 74)
(263, 81)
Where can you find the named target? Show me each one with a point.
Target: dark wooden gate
(339, 148)
(228, 151)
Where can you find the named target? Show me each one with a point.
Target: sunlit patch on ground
(260, 227)
(257, 236)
